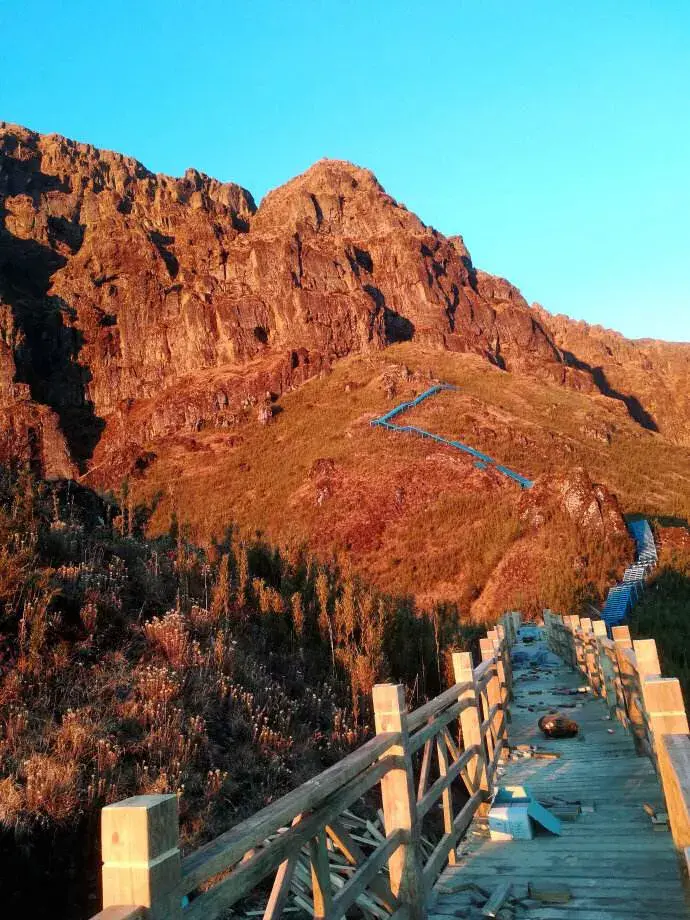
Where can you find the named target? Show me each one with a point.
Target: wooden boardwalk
(614, 862)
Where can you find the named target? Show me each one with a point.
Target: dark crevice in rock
(635, 409)
(47, 358)
(161, 242)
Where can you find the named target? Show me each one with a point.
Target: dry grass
(128, 666)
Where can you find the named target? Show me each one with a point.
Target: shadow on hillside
(397, 328)
(635, 409)
(47, 351)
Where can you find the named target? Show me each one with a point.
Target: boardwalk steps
(623, 596)
(432, 772)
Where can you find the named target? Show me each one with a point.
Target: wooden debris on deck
(498, 898)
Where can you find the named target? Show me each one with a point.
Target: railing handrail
(229, 847)
(140, 836)
(435, 706)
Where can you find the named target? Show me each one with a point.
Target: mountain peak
(334, 196)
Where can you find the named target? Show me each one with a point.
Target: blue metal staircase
(623, 596)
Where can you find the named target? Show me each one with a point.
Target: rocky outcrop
(588, 505)
(573, 534)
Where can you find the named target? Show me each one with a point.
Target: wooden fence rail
(626, 673)
(458, 737)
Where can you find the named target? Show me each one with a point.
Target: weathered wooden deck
(612, 859)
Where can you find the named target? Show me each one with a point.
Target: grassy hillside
(417, 518)
(664, 614)
(227, 674)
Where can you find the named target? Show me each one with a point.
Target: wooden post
(647, 665)
(587, 650)
(674, 754)
(470, 723)
(399, 801)
(663, 701)
(517, 621)
(495, 636)
(510, 617)
(493, 694)
(552, 638)
(621, 641)
(630, 685)
(621, 635)
(609, 674)
(121, 913)
(599, 630)
(668, 722)
(141, 856)
(567, 646)
(546, 617)
(647, 658)
(578, 643)
(570, 625)
(509, 628)
(504, 656)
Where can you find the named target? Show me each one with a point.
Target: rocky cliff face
(134, 305)
(651, 378)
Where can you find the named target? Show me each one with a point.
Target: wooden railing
(626, 673)
(465, 727)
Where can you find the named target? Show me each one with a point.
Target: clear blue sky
(554, 136)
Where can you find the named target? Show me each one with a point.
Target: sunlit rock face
(140, 303)
(136, 305)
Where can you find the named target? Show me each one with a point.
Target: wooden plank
(365, 875)
(498, 898)
(320, 877)
(553, 893)
(611, 885)
(425, 770)
(343, 840)
(446, 795)
(280, 891)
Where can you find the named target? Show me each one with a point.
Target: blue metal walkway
(623, 596)
(481, 460)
